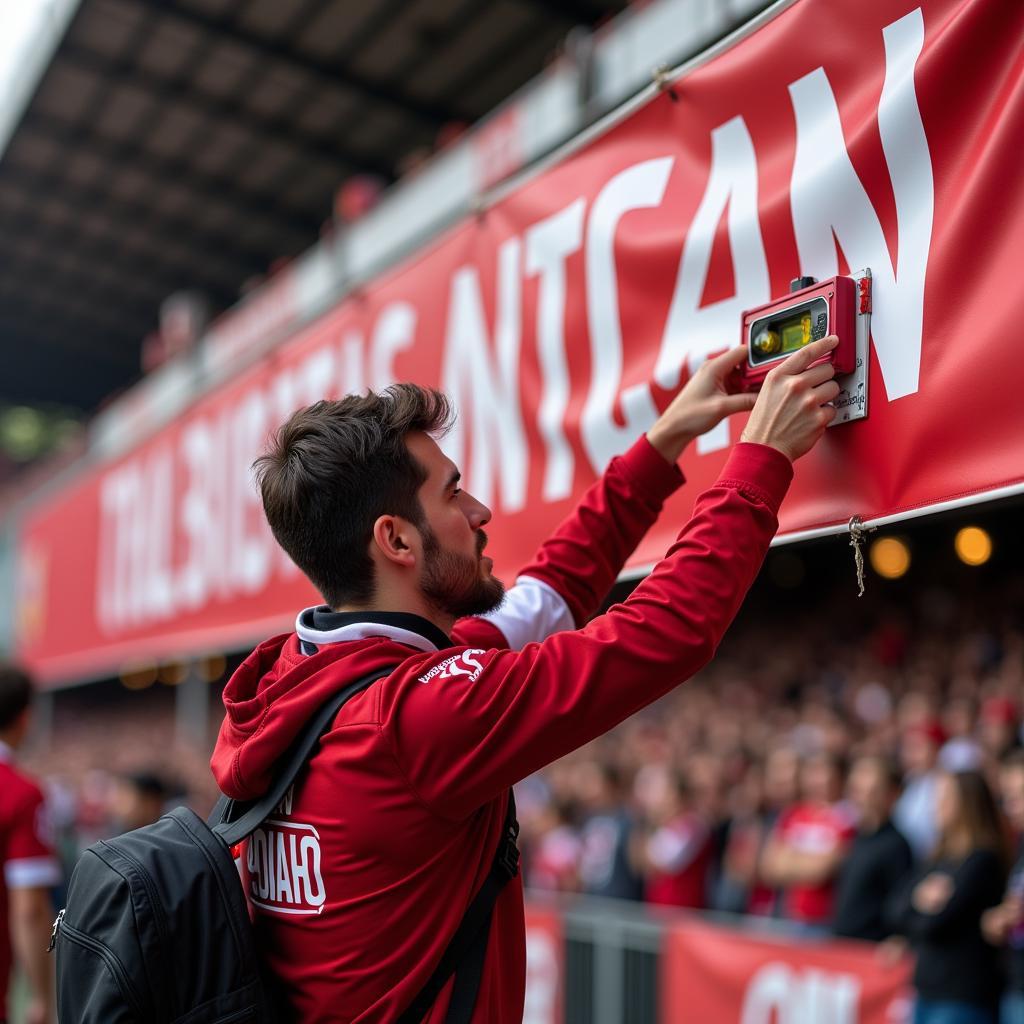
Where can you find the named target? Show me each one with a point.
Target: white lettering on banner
(485, 387)
(285, 876)
(154, 530)
(548, 245)
(181, 525)
(395, 330)
(316, 377)
(639, 187)
(226, 549)
(202, 512)
(827, 196)
(120, 516)
(351, 371)
(693, 332)
(252, 548)
(778, 994)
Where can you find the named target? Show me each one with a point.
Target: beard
(453, 582)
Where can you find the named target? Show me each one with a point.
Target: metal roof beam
(72, 333)
(274, 49)
(90, 302)
(75, 384)
(100, 271)
(577, 12)
(505, 50)
(100, 300)
(168, 88)
(194, 241)
(62, 283)
(214, 188)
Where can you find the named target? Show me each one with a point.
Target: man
(674, 851)
(139, 798)
(382, 846)
(810, 839)
(915, 814)
(879, 860)
(605, 868)
(30, 868)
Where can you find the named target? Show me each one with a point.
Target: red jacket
(27, 860)
(362, 878)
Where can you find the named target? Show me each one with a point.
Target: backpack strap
(468, 947)
(234, 820)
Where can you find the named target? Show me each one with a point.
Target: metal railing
(613, 953)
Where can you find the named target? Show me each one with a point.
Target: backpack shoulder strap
(467, 949)
(233, 820)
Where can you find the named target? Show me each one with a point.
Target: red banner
(716, 974)
(839, 135)
(545, 967)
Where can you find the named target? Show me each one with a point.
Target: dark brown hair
(15, 693)
(333, 469)
(979, 817)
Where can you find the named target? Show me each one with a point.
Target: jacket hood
(271, 697)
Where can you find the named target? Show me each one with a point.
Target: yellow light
(211, 669)
(890, 557)
(172, 674)
(973, 545)
(138, 677)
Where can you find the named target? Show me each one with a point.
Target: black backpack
(156, 929)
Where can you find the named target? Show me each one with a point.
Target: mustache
(481, 542)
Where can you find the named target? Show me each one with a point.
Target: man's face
(918, 752)
(869, 789)
(820, 781)
(456, 575)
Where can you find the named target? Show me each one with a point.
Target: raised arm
(574, 569)
(463, 736)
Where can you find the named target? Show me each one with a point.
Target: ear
(396, 540)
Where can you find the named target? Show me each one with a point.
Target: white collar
(361, 631)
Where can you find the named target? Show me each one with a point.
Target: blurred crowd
(851, 769)
(851, 777)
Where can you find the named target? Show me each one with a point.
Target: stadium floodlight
(973, 545)
(890, 557)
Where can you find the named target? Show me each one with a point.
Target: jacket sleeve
(576, 566)
(467, 724)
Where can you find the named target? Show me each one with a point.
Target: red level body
(776, 330)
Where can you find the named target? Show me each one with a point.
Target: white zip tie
(662, 78)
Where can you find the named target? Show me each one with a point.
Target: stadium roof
(178, 144)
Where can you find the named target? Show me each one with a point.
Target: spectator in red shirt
(30, 869)
(553, 861)
(806, 849)
(674, 853)
(767, 791)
